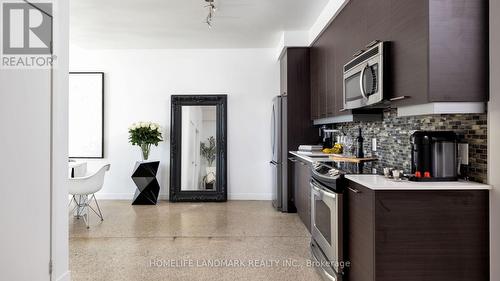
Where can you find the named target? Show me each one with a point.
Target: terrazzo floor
(237, 240)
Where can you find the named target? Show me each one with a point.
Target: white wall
(138, 85)
(494, 138)
(25, 200)
(305, 38)
(25, 172)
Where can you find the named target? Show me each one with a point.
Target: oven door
(326, 221)
(363, 84)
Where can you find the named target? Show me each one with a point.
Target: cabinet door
(315, 73)
(302, 191)
(330, 71)
(378, 20)
(409, 49)
(295, 177)
(356, 28)
(458, 58)
(284, 74)
(444, 235)
(360, 233)
(342, 55)
(305, 189)
(322, 75)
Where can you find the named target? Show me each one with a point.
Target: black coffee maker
(434, 156)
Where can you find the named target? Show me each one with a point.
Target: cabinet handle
(354, 190)
(399, 98)
(343, 109)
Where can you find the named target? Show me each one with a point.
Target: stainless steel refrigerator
(282, 195)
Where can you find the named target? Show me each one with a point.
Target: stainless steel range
(326, 220)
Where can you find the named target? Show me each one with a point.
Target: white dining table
(77, 169)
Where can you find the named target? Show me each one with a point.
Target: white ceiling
(165, 24)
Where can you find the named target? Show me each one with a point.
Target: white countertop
(377, 182)
(310, 159)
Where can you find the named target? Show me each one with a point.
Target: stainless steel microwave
(364, 77)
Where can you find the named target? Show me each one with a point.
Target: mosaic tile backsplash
(393, 138)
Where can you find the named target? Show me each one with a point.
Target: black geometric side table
(144, 177)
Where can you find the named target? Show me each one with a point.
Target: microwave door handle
(361, 82)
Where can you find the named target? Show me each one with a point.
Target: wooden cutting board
(350, 159)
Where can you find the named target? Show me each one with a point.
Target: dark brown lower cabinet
(417, 235)
(302, 190)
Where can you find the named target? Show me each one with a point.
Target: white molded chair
(83, 190)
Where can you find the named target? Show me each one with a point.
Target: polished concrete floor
(237, 240)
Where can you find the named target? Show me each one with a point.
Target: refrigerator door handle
(273, 132)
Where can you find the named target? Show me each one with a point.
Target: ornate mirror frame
(220, 192)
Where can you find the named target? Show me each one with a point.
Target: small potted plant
(208, 152)
(145, 134)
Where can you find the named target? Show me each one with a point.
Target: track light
(211, 12)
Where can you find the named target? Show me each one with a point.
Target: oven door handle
(321, 191)
(361, 82)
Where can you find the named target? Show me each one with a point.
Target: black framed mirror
(198, 171)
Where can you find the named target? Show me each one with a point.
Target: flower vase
(145, 149)
(210, 177)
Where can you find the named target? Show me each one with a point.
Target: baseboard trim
(231, 196)
(114, 196)
(65, 277)
(250, 196)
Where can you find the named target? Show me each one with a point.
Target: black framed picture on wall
(86, 115)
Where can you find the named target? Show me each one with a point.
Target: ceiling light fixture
(211, 12)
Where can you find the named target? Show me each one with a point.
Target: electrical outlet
(374, 171)
(374, 144)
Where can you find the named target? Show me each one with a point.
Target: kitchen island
(413, 231)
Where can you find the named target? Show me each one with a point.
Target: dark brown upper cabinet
(343, 53)
(295, 84)
(408, 36)
(315, 74)
(458, 51)
(439, 50)
(323, 87)
(330, 76)
(284, 74)
(438, 53)
(319, 74)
